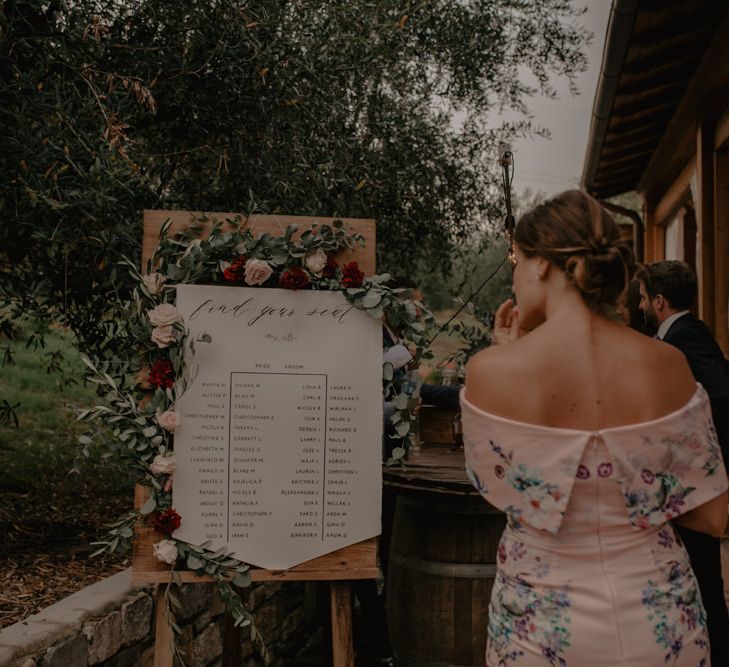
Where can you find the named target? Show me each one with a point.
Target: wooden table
(435, 468)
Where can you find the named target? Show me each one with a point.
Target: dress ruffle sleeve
(664, 467)
(668, 466)
(527, 474)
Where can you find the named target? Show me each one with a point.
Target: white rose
(257, 271)
(153, 282)
(241, 248)
(163, 336)
(166, 551)
(168, 420)
(163, 465)
(164, 315)
(315, 261)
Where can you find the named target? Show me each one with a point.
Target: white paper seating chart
(278, 449)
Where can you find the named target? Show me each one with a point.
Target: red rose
(294, 278)
(162, 375)
(351, 275)
(330, 269)
(167, 522)
(236, 271)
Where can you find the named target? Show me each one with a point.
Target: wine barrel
(440, 573)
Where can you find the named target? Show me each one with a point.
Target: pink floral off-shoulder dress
(590, 571)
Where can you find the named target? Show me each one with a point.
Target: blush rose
(153, 282)
(315, 261)
(257, 271)
(163, 465)
(168, 420)
(163, 336)
(164, 315)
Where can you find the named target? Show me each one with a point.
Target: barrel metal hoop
(440, 569)
(409, 661)
(480, 507)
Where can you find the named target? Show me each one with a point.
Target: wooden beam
(675, 196)
(721, 248)
(651, 123)
(163, 652)
(705, 218)
(679, 143)
(357, 561)
(721, 133)
(631, 152)
(659, 61)
(342, 644)
(662, 104)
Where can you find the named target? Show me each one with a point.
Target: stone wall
(111, 624)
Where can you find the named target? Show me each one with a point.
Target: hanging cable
(506, 161)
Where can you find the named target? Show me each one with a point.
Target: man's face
(647, 306)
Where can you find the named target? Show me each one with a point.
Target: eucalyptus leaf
(402, 428)
(148, 506)
(242, 579)
(194, 563)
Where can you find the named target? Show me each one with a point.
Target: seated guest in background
(402, 359)
(668, 290)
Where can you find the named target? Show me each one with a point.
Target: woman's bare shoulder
(488, 375)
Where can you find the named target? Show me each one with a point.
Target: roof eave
(617, 40)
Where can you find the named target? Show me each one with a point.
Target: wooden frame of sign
(357, 561)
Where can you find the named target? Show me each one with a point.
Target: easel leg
(342, 645)
(162, 630)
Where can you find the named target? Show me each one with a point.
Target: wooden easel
(357, 561)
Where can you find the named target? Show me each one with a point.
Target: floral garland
(136, 419)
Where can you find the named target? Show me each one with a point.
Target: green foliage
(325, 107)
(35, 459)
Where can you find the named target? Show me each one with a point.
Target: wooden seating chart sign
(278, 450)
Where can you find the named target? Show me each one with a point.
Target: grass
(40, 495)
(446, 344)
(40, 450)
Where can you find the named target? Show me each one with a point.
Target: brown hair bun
(573, 232)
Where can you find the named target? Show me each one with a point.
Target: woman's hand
(506, 324)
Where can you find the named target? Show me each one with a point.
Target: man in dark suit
(668, 290)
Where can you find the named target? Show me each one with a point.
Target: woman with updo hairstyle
(593, 439)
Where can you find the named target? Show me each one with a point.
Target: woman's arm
(709, 518)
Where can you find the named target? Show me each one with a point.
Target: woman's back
(583, 372)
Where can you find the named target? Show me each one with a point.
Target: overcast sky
(553, 165)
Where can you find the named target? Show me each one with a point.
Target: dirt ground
(45, 548)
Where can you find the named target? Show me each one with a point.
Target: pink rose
(163, 336)
(163, 465)
(168, 420)
(315, 261)
(257, 271)
(153, 282)
(164, 315)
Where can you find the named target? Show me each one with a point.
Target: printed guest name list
(278, 450)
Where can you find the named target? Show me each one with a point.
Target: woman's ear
(542, 268)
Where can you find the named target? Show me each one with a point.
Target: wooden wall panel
(705, 218)
(721, 247)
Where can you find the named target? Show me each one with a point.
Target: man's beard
(651, 320)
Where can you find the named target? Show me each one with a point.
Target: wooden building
(660, 126)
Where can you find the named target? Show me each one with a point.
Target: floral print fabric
(589, 571)
(665, 467)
